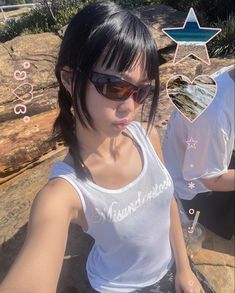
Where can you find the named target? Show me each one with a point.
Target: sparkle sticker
(191, 211)
(191, 143)
(191, 185)
(191, 39)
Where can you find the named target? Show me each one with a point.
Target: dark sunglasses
(117, 89)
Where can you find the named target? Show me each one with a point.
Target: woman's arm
(185, 279)
(38, 265)
(177, 239)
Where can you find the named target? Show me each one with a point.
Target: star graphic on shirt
(191, 143)
(191, 39)
(191, 185)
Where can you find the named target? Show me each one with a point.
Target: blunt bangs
(121, 40)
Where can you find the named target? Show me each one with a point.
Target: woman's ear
(66, 78)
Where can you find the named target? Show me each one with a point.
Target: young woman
(112, 182)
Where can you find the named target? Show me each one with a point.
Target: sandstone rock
(218, 268)
(161, 16)
(17, 193)
(40, 52)
(28, 88)
(22, 144)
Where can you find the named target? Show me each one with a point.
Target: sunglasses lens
(114, 89)
(118, 90)
(141, 95)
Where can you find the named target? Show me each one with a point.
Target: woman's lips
(121, 125)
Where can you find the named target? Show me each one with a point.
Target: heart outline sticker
(191, 98)
(22, 87)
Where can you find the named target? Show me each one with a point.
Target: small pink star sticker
(191, 143)
(191, 185)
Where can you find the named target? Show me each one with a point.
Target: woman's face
(106, 113)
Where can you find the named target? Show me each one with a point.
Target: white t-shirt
(202, 149)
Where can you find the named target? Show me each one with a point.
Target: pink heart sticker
(21, 90)
(191, 99)
(20, 75)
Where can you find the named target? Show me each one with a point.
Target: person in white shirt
(200, 158)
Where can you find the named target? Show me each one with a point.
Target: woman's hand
(187, 282)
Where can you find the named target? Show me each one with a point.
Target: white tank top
(130, 225)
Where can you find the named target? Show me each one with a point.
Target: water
(191, 33)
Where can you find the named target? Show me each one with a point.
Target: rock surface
(161, 16)
(32, 91)
(25, 144)
(40, 51)
(218, 268)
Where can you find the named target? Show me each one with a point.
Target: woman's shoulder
(155, 140)
(153, 136)
(58, 192)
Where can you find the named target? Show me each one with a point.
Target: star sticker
(191, 165)
(191, 185)
(191, 39)
(191, 143)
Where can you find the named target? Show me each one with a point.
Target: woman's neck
(94, 146)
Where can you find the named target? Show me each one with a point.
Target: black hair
(97, 28)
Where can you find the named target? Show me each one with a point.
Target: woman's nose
(128, 105)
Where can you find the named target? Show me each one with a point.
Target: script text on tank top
(113, 214)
